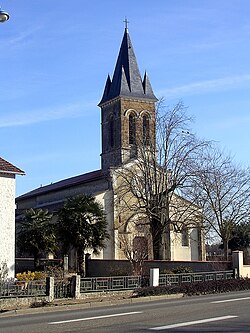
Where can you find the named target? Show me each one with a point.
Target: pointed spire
(125, 89)
(126, 79)
(106, 89)
(148, 91)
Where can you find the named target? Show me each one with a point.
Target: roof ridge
(7, 167)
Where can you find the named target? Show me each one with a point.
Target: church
(128, 107)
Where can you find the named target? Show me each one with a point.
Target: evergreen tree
(37, 234)
(82, 225)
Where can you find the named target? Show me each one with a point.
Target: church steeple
(127, 108)
(127, 81)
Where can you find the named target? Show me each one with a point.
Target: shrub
(167, 271)
(40, 275)
(40, 304)
(154, 291)
(182, 269)
(197, 288)
(30, 276)
(55, 271)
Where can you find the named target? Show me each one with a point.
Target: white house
(8, 174)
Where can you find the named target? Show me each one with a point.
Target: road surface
(229, 312)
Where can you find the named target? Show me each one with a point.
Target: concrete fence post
(75, 286)
(50, 288)
(237, 258)
(66, 264)
(154, 277)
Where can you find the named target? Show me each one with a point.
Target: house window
(145, 129)
(132, 129)
(184, 236)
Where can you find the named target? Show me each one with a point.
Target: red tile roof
(6, 167)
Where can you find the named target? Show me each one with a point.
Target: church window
(184, 236)
(132, 129)
(140, 248)
(111, 132)
(145, 129)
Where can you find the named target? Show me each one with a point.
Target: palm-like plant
(36, 234)
(82, 225)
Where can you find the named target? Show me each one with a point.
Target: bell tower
(127, 109)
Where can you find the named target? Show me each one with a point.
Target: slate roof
(127, 81)
(66, 183)
(7, 167)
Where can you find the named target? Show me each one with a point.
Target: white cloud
(196, 88)
(23, 37)
(42, 115)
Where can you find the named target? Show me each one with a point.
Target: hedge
(196, 288)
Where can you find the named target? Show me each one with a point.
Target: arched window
(140, 248)
(132, 129)
(184, 236)
(145, 129)
(111, 132)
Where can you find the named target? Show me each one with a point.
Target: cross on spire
(126, 23)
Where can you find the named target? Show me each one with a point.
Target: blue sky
(55, 57)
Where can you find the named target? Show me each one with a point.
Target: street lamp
(3, 16)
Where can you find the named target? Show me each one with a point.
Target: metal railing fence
(177, 279)
(110, 283)
(22, 288)
(62, 289)
(132, 282)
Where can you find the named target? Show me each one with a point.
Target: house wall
(243, 270)
(7, 222)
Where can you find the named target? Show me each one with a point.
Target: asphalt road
(229, 312)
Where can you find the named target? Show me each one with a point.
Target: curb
(87, 305)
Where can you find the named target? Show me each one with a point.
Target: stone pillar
(76, 285)
(154, 277)
(50, 288)
(66, 264)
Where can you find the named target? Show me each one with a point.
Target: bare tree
(134, 246)
(222, 189)
(152, 184)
